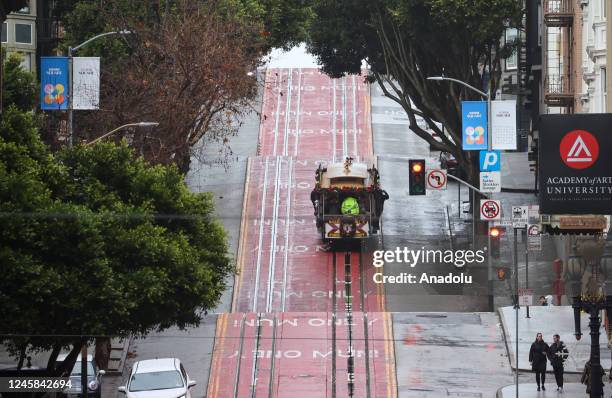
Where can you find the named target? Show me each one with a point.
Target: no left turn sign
(436, 179)
(490, 209)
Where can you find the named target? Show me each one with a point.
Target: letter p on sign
(490, 161)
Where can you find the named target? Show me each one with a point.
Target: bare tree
(189, 72)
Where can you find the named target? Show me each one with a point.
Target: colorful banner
(54, 83)
(474, 125)
(86, 82)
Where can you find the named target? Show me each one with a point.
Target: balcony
(558, 13)
(558, 90)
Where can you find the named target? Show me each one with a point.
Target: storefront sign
(575, 164)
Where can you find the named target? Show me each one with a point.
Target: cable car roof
(355, 170)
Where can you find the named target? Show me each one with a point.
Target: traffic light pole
(516, 308)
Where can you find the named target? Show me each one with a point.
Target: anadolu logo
(579, 149)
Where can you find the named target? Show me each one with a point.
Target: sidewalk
(550, 320)
(528, 390)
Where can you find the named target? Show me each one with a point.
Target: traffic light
(501, 273)
(495, 233)
(417, 176)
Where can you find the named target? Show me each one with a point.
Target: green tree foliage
(406, 41)
(19, 85)
(95, 241)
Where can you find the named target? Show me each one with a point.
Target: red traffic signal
(417, 176)
(495, 232)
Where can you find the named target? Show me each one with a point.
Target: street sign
(534, 238)
(525, 300)
(436, 179)
(504, 222)
(474, 125)
(490, 181)
(490, 209)
(520, 216)
(490, 161)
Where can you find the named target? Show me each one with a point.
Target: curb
(119, 350)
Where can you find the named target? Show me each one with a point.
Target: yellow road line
(242, 246)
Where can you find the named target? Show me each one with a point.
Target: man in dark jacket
(538, 357)
(558, 353)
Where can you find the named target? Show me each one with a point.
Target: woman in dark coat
(538, 357)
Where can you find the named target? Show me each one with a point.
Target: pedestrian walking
(538, 355)
(543, 301)
(558, 353)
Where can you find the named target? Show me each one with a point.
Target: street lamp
(593, 306)
(488, 98)
(440, 78)
(139, 124)
(71, 51)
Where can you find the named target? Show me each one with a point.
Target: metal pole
(526, 267)
(459, 201)
(84, 369)
(473, 219)
(516, 306)
(490, 269)
(70, 88)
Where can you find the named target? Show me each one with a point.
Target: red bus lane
(303, 316)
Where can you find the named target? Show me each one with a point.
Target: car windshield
(76, 371)
(156, 381)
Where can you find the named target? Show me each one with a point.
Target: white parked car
(158, 378)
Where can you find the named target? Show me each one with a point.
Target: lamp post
(593, 306)
(486, 95)
(71, 51)
(139, 124)
(592, 300)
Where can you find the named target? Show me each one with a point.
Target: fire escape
(558, 84)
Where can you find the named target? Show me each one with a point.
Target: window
(512, 60)
(23, 33)
(4, 32)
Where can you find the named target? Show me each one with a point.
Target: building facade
(594, 64)
(19, 35)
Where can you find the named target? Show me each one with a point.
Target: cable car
(348, 201)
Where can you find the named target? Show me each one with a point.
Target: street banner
(575, 164)
(490, 161)
(490, 181)
(503, 124)
(490, 209)
(54, 88)
(474, 125)
(86, 82)
(520, 216)
(436, 179)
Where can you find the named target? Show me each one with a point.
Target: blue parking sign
(490, 161)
